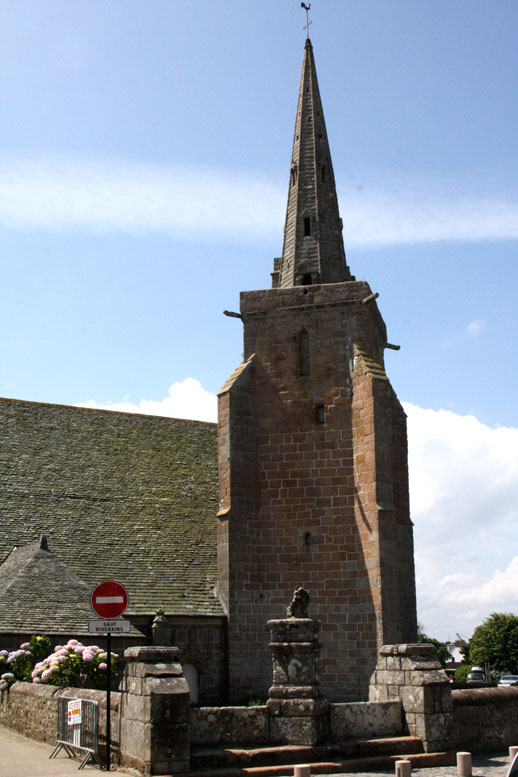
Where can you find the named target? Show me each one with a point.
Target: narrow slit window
(303, 353)
(307, 539)
(307, 226)
(323, 173)
(321, 415)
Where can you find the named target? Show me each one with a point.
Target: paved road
(22, 757)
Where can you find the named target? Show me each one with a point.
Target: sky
(144, 163)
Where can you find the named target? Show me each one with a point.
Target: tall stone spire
(313, 250)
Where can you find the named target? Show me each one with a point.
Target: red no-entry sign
(109, 599)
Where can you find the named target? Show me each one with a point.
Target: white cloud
(104, 195)
(185, 399)
(464, 502)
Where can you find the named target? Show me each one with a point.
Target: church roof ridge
(32, 403)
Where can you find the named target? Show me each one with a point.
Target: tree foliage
(496, 641)
(443, 653)
(461, 673)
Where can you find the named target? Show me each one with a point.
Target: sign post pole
(108, 698)
(109, 600)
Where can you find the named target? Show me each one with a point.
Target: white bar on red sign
(109, 599)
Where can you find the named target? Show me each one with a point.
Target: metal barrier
(78, 727)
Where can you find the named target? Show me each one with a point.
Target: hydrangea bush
(73, 664)
(18, 664)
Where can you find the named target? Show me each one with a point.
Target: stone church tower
(313, 449)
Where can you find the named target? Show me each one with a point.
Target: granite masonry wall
(150, 727)
(313, 486)
(224, 726)
(32, 710)
(485, 719)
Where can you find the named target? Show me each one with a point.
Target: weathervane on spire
(306, 7)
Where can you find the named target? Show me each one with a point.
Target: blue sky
(144, 163)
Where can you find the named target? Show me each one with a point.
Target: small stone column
(298, 711)
(155, 712)
(413, 674)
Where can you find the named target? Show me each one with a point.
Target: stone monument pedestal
(298, 711)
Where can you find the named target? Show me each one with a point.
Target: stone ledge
(410, 650)
(471, 697)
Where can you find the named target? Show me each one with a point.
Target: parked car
(476, 676)
(508, 679)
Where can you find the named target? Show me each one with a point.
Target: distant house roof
(119, 496)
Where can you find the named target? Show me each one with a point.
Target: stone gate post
(413, 674)
(155, 711)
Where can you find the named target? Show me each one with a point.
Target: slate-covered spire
(313, 250)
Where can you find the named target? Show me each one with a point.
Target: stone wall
(223, 726)
(32, 711)
(218, 726)
(150, 728)
(486, 719)
(365, 720)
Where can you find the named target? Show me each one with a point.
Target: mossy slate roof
(118, 496)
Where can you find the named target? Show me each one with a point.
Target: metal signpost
(109, 600)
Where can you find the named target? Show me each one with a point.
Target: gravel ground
(483, 766)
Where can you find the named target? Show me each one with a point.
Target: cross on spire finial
(306, 7)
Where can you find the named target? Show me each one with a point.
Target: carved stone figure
(298, 607)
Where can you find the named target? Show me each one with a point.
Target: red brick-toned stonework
(313, 486)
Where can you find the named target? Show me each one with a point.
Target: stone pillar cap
(151, 653)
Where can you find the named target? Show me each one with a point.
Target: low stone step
(335, 766)
(244, 757)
